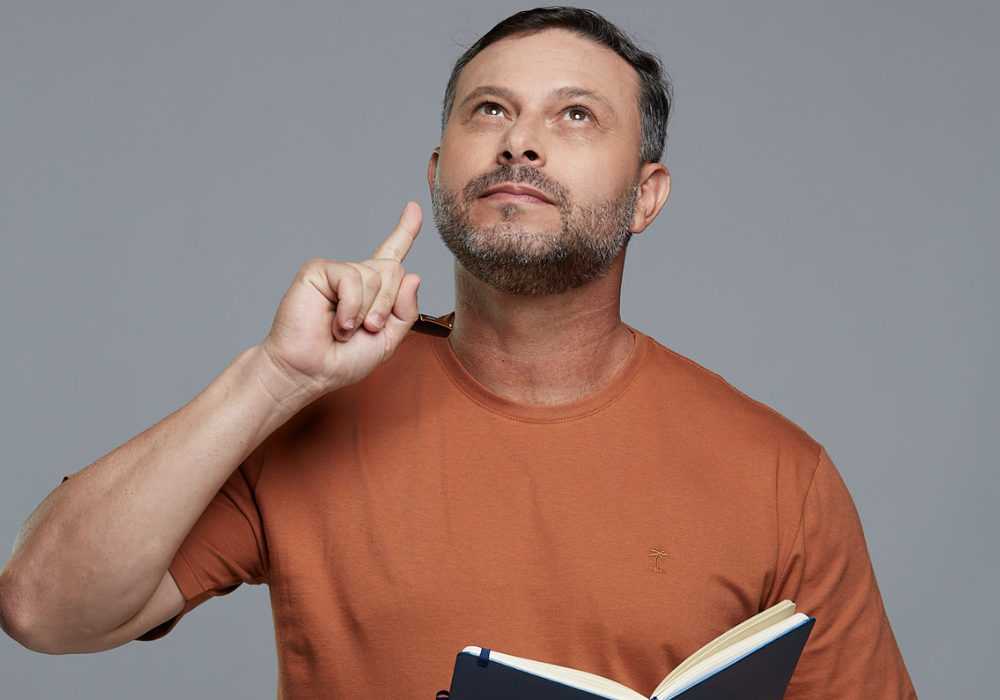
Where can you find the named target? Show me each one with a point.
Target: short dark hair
(655, 91)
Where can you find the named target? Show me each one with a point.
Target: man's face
(534, 182)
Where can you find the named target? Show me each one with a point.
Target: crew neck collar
(516, 410)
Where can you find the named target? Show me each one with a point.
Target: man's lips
(516, 191)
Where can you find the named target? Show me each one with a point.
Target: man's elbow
(24, 619)
(15, 611)
(49, 626)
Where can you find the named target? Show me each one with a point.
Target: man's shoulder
(415, 354)
(703, 396)
(414, 368)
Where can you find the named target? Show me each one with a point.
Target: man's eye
(491, 109)
(577, 114)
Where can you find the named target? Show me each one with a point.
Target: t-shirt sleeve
(225, 548)
(851, 652)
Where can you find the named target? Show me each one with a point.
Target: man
(545, 480)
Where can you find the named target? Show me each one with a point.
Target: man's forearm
(89, 566)
(94, 553)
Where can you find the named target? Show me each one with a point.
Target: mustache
(526, 174)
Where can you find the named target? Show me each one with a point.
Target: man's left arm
(852, 652)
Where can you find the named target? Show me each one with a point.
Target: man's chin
(492, 212)
(514, 238)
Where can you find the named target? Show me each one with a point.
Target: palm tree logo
(657, 554)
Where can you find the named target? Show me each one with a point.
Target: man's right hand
(90, 567)
(338, 321)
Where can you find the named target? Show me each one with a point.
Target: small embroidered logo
(657, 554)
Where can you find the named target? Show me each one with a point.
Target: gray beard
(515, 261)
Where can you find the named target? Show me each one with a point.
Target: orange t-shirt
(405, 517)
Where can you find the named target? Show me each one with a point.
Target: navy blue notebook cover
(762, 674)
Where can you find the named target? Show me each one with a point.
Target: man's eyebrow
(570, 92)
(579, 93)
(486, 91)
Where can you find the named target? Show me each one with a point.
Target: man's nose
(522, 145)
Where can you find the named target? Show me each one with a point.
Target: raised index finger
(398, 244)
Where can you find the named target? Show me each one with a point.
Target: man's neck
(541, 350)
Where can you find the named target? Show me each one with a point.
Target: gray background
(830, 248)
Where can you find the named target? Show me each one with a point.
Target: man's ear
(654, 188)
(432, 167)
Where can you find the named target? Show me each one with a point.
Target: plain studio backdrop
(830, 248)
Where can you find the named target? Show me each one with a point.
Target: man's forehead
(549, 61)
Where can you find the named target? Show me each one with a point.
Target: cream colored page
(759, 622)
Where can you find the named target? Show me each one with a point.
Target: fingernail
(377, 320)
(348, 325)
